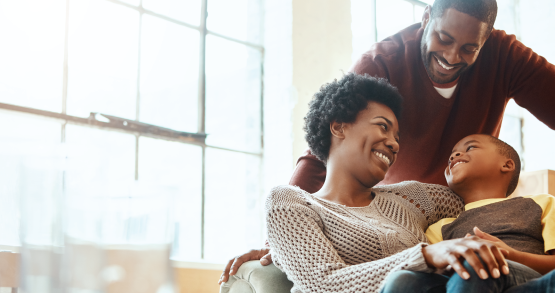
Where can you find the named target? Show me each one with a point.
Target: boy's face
(474, 159)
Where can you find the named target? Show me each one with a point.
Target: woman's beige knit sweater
(328, 247)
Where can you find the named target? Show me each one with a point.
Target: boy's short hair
(341, 100)
(510, 153)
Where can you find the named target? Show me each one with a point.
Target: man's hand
(450, 252)
(233, 265)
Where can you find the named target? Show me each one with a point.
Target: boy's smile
(456, 162)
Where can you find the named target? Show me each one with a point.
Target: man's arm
(531, 81)
(310, 173)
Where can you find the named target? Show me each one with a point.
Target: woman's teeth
(384, 158)
(443, 65)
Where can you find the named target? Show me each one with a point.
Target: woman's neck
(343, 188)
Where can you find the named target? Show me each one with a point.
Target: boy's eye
(470, 147)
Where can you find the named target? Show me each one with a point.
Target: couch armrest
(252, 277)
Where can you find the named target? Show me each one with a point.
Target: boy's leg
(417, 282)
(518, 275)
(543, 284)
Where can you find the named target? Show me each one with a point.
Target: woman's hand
(233, 265)
(451, 252)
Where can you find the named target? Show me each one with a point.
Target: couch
(252, 277)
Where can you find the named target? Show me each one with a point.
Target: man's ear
(337, 129)
(427, 16)
(509, 166)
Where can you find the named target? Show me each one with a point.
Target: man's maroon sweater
(430, 124)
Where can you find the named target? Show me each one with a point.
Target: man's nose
(452, 56)
(454, 155)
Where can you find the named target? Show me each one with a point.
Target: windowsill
(199, 265)
(10, 248)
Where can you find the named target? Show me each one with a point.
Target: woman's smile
(382, 157)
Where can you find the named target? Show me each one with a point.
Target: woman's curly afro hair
(341, 101)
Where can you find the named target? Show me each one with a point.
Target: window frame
(134, 126)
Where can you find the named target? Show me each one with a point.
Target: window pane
(18, 131)
(418, 12)
(177, 165)
(232, 196)
(232, 95)
(239, 19)
(132, 2)
(511, 132)
(32, 52)
(98, 156)
(103, 54)
(392, 16)
(169, 75)
(184, 10)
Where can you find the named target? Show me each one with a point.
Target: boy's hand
(451, 252)
(498, 242)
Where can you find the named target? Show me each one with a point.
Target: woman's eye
(384, 126)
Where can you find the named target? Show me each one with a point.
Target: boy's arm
(543, 264)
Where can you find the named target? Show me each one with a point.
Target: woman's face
(371, 143)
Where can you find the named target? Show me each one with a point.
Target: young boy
(483, 171)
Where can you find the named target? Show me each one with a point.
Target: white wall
(322, 47)
(278, 93)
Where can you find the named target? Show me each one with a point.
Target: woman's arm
(301, 249)
(447, 203)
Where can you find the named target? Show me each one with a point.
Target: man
(456, 74)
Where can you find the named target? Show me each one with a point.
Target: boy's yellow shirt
(545, 201)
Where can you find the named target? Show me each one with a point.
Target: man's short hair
(483, 10)
(510, 153)
(341, 100)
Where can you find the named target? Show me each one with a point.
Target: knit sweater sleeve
(300, 249)
(447, 204)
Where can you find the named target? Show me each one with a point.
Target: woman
(350, 235)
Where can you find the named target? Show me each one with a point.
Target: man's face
(451, 43)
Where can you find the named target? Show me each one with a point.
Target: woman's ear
(337, 129)
(426, 16)
(509, 166)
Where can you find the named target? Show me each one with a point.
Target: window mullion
(65, 72)
(202, 113)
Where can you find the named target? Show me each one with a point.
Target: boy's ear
(509, 166)
(337, 129)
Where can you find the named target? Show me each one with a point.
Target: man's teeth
(443, 65)
(460, 162)
(383, 157)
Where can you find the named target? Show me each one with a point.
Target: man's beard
(427, 60)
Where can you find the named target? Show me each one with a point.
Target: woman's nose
(393, 145)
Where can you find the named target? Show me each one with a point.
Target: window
(163, 91)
